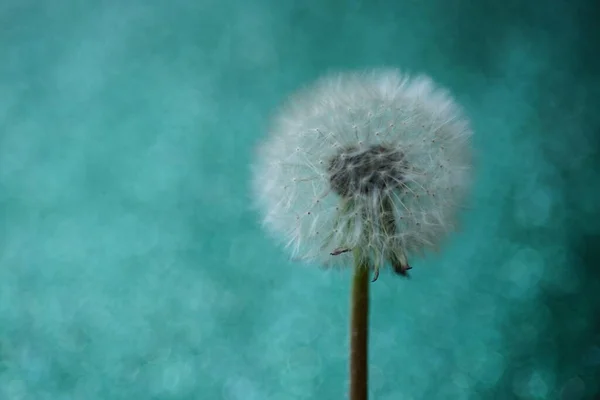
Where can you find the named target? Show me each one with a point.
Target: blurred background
(132, 265)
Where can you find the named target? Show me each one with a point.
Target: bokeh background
(132, 265)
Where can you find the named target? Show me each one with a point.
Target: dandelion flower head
(374, 160)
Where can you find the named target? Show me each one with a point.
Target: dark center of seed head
(363, 171)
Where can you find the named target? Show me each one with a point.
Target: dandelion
(374, 161)
(367, 169)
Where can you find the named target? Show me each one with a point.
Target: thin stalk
(359, 328)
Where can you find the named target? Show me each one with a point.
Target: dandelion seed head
(354, 151)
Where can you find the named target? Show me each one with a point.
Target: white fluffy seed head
(355, 151)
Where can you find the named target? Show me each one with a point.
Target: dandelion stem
(359, 328)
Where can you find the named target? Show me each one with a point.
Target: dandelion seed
(390, 195)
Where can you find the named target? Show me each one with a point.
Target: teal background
(133, 267)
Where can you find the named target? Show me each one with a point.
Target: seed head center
(377, 168)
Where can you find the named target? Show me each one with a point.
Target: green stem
(359, 328)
